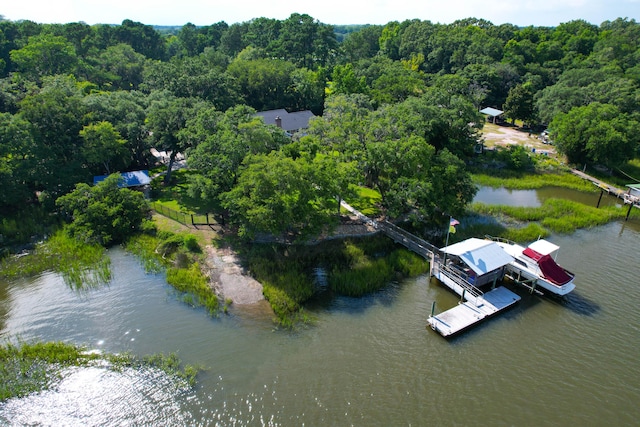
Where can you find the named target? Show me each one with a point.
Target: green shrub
(149, 227)
(103, 214)
(191, 243)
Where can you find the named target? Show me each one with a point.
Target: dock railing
(410, 241)
(462, 280)
(499, 239)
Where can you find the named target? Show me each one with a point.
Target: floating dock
(468, 313)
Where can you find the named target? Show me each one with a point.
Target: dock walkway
(600, 184)
(627, 198)
(397, 234)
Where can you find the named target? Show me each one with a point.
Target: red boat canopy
(532, 254)
(550, 269)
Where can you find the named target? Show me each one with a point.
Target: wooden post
(629, 211)
(600, 198)
(433, 308)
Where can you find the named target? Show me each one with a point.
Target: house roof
(482, 256)
(129, 179)
(290, 121)
(493, 112)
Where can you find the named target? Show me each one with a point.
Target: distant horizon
(167, 13)
(2, 17)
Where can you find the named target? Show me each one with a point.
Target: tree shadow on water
(329, 301)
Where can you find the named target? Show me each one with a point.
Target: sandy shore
(229, 279)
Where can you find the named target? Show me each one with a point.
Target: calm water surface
(367, 361)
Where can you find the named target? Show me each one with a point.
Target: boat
(535, 265)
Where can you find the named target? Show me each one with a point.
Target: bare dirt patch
(503, 136)
(229, 279)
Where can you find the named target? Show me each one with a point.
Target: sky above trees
(335, 12)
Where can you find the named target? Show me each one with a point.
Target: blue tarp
(129, 179)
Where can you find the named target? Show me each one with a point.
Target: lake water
(366, 361)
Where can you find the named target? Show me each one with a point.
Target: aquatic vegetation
(33, 367)
(554, 216)
(531, 181)
(81, 265)
(178, 254)
(356, 267)
(192, 282)
(367, 273)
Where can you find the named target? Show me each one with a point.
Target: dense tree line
(397, 107)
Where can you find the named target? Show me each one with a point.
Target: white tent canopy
(493, 112)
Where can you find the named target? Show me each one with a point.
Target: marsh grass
(554, 216)
(531, 181)
(191, 282)
(356, 267)
(31, 367)
(81, 265)
(179, 255)
(367, 272)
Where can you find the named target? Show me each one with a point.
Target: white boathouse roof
(482, 256)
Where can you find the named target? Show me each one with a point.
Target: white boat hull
(522, 274)
(523, 268)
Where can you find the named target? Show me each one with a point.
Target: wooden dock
(626, 196)
(475, 305)
(469, 313)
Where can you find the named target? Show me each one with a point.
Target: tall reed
(81, 265)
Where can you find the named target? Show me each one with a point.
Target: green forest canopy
(396, 104)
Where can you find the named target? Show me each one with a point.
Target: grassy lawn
(366, 201)
(176, 197)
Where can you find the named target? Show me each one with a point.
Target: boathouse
(464, 267)
(479, 261)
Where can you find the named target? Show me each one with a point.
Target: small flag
(452, 225)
